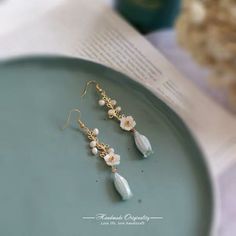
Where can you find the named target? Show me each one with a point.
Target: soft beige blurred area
(207, 28)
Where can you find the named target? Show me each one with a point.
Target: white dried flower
(198, 12)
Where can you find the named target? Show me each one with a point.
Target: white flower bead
(94, 151)
(111, 150)
(111, 112)
(118, 109)
(112, 159)
(93, 144)
(101, 102)
(127, 123)
(96, 131)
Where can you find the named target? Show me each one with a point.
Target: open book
(91, 30)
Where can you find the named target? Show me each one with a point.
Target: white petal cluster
(127, 123)
(112, 159)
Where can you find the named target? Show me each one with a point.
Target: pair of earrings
(106, 152)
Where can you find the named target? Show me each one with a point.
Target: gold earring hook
(78, 119)
(88, 83)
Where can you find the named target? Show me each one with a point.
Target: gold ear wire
(88, 83)
(82, 125)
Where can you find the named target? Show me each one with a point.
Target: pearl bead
(94, 151)
(111, 112)
(118, 109)
(101, 102)
(111, 150)
(95, 131)
(113, 102)
(93, 144)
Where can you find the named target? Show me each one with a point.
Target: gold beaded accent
(101, 147)
(108, 101)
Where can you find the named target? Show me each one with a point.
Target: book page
(93, 31)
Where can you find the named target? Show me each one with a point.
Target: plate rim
(215, 217)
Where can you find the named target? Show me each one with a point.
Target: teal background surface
(49, 180)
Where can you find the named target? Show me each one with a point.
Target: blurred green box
(149, 15)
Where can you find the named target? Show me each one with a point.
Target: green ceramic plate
(52, 186)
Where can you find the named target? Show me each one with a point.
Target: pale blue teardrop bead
(122, 186)
(142, 144)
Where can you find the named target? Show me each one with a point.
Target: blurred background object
(149, 15)
(207, 28)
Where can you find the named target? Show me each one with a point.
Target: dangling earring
(127, 123)
(106, 153)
